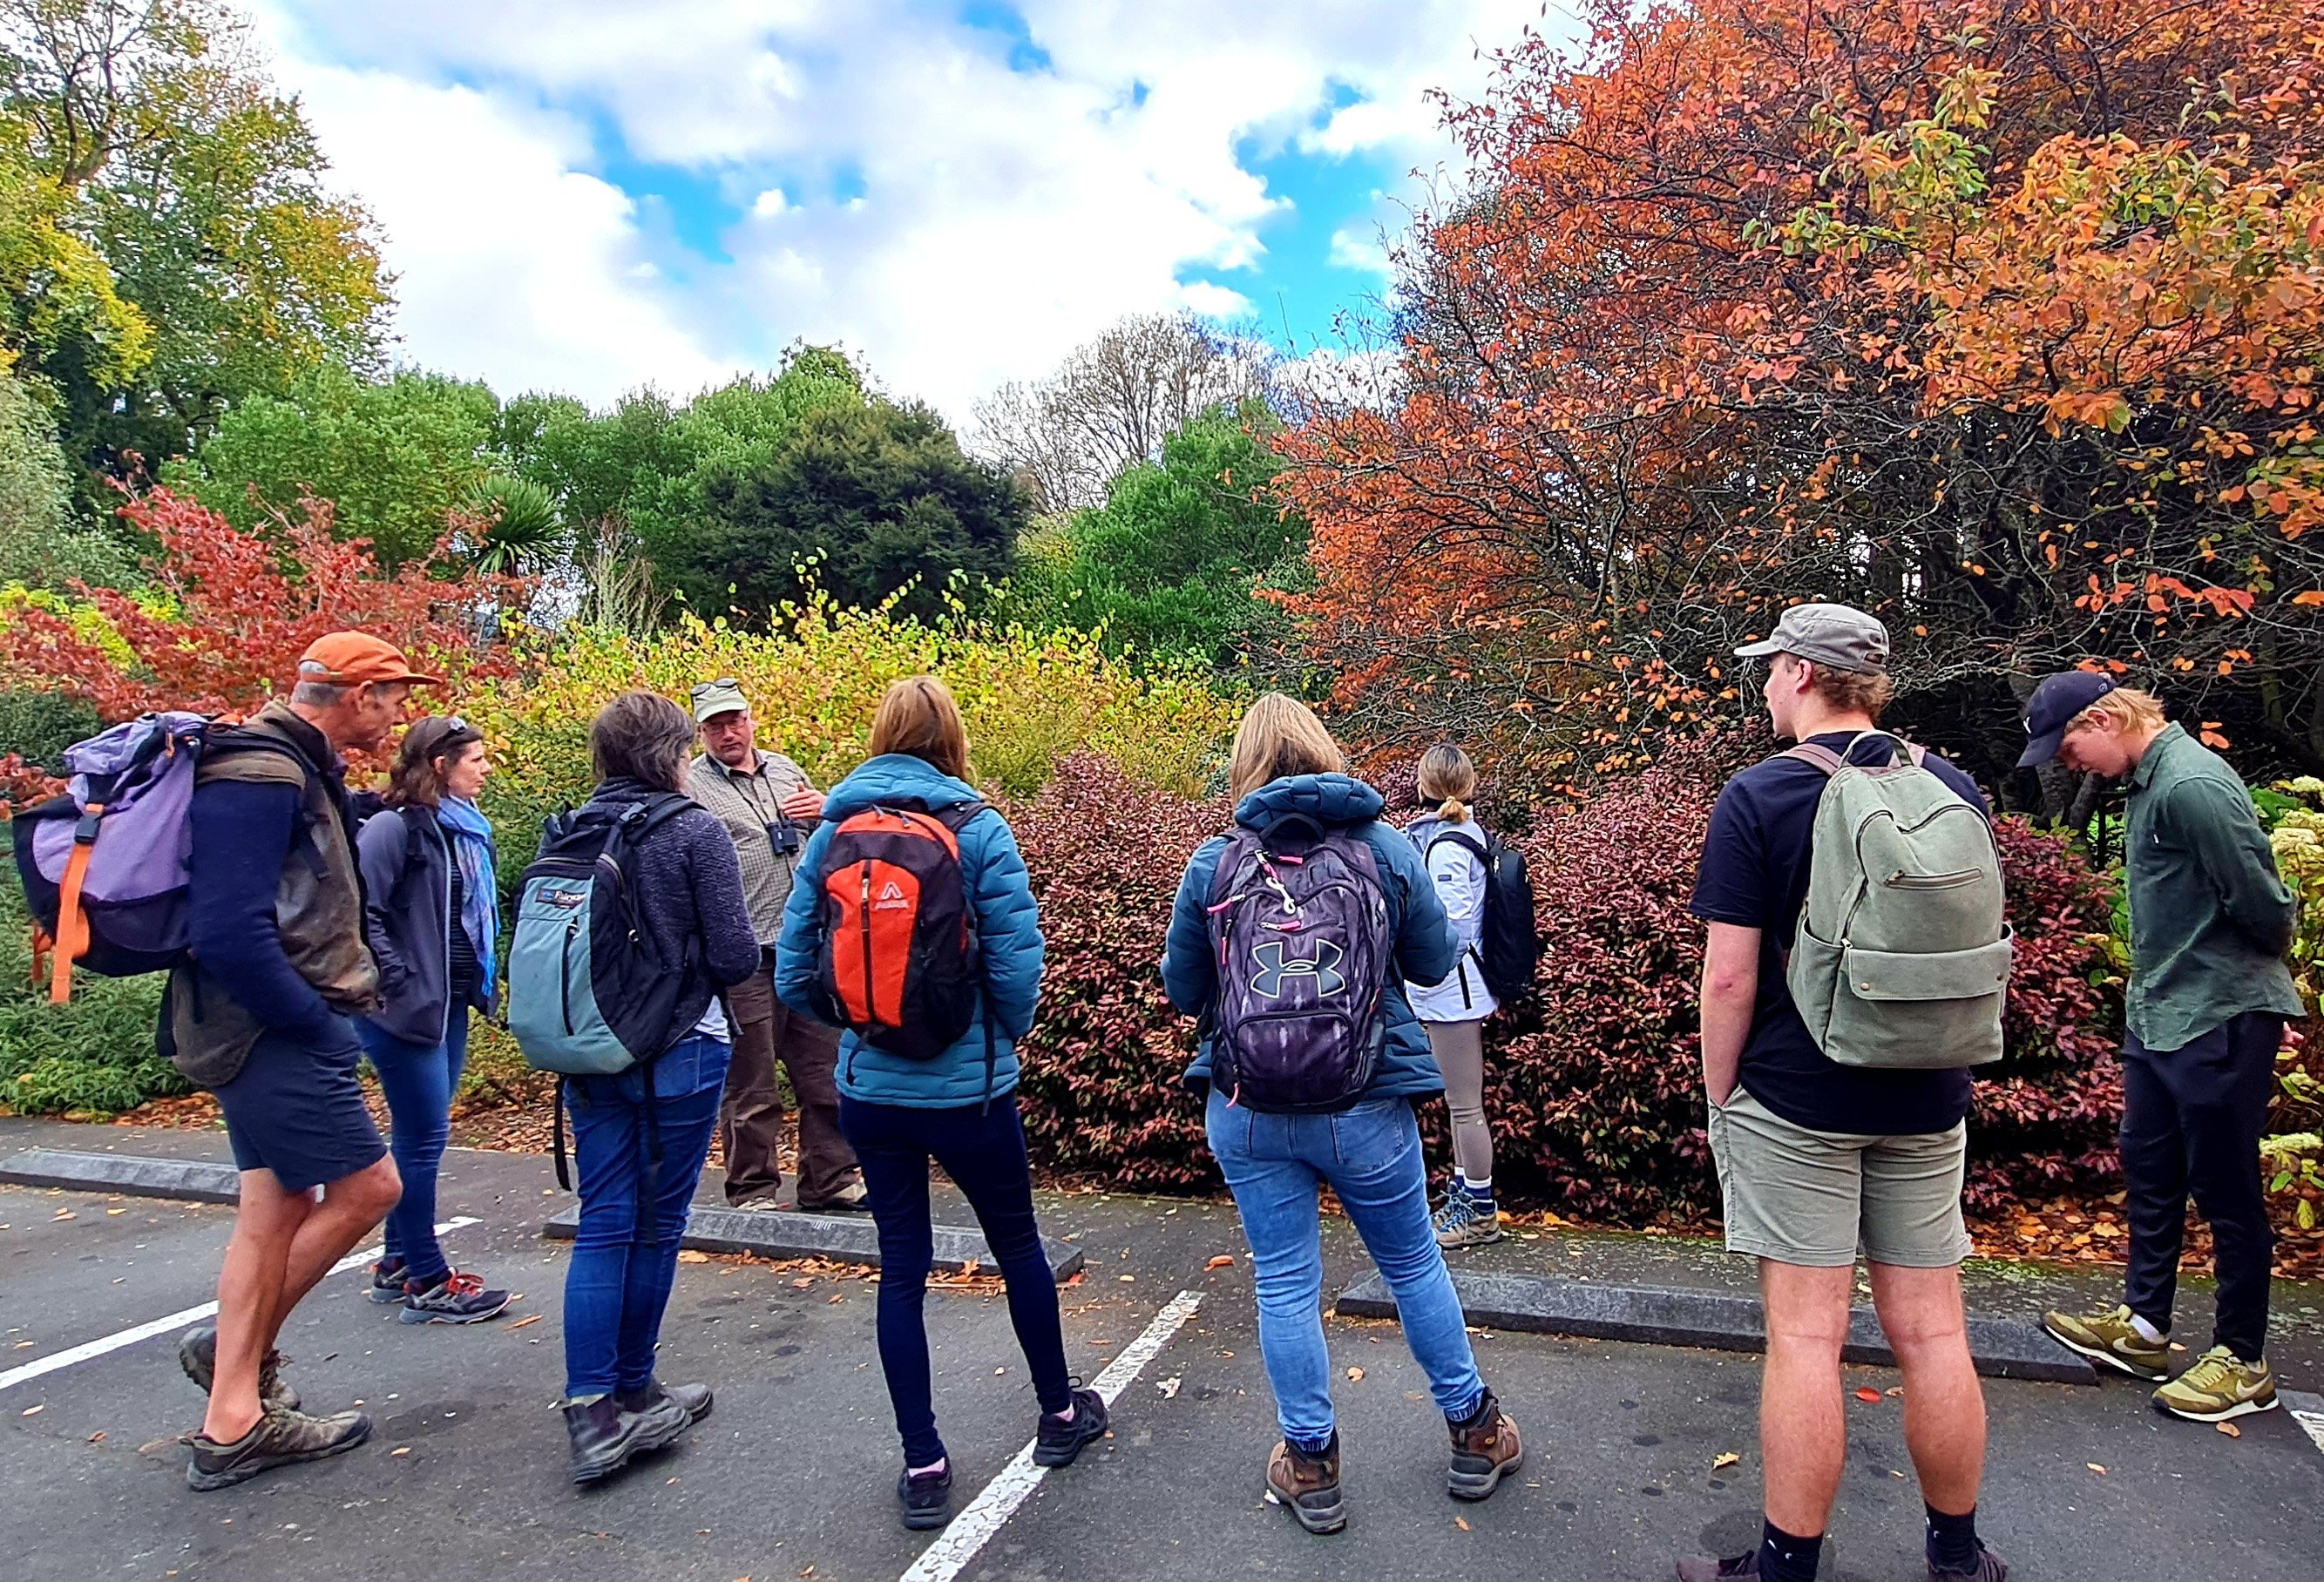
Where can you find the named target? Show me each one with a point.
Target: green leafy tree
(1175, 561)
(397, 458)
(871, 497)
(42, 542)
(202, 188)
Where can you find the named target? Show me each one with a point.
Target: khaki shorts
(1814, 1198)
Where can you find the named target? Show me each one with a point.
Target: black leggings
(983, 1152)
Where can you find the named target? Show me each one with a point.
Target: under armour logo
(1273, 970)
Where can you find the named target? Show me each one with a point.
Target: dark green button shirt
(2210, 919)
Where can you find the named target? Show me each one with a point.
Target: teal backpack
(1902, 958)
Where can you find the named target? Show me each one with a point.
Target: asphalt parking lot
(791, 1477)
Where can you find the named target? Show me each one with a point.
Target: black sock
(1785, 1558)
(1952, 1540)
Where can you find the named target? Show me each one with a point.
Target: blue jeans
(983, 1152)
(1370, 1156)
(625, 1251)
(418, 1080)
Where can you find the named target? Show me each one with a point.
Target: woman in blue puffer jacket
(958, 1107)
(1286, 770)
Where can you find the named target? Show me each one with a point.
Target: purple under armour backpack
(1300, 930)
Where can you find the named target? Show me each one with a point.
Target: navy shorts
(298, 1111)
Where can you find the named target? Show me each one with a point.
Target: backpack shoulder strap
(1478, 843)
(955, 817)
(1809, 752)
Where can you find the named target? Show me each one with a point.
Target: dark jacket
(407, 875)
(689, 890)
(274, 906)
(1425, 946)
(1007, 927)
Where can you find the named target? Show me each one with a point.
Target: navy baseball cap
(2053, 706)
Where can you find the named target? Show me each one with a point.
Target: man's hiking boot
(198, 1356)
(925, 1496)
(604, 1437)
(1308, 1486)
(1485, 1449)
(851, 1199)
(2111, 1338)
(692, 1399)
(2220, 1386)
(386, 1286)
(1989, 1568)
(1463, 1221)
(456, 1299)
(280, 1438)
(1057, 1441)
(1704, 1568)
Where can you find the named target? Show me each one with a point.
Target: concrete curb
(192, 1179)
(846, 1238)
(2003, 1348)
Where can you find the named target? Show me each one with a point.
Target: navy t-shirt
(1754, 875)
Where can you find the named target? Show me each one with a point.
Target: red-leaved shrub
(1593, 1086)
(1102, 1066)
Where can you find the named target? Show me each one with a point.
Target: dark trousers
(2191, 1120)
(751, 1114)
(983, 1152)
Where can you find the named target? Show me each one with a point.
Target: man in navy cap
(2210, 920)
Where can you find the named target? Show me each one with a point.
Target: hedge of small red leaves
(1593, 1085)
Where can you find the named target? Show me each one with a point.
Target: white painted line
(2308, 1412)
(89, 1349)
(970, 1530)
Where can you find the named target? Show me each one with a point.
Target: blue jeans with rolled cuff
(1370, 1156)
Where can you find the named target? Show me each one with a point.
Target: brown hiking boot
(1989, 1568)
(1308, 1486)
(1484, 1451)
(280, 1438)
(198, 1356)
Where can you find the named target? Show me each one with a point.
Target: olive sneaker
(2113, 1339)
(198, 1356)
(2220, 1386)
(280, 1438)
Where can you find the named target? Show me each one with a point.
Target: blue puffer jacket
(1006, 922)
(1425, 949)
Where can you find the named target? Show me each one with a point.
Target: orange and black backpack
(898, 964)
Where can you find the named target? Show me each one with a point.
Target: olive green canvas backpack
(1902, 957)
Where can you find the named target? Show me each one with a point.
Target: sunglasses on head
(724, 683)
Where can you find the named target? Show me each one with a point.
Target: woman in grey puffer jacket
(688, 888)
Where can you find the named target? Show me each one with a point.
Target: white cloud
(894, 186)
(1359, 249)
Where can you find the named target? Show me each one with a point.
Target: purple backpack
(105, 866)
(1300, 929)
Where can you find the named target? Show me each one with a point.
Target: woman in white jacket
(1453, 1013)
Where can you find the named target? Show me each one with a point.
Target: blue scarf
(470, 833)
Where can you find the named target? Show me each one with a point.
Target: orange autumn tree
(2001, 320)
(220, 626)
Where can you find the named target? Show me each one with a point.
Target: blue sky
(595, 196)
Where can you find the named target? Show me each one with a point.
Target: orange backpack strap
(73, 923)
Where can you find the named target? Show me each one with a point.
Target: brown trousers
(750, 1114)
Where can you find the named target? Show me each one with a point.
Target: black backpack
(1508, 946)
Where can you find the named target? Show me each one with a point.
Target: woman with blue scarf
(431, 905)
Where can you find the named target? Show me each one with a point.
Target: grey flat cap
(1837, 635)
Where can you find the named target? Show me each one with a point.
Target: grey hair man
(769, 808)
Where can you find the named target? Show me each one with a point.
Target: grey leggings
(1460, 1050)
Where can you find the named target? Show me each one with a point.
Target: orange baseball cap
(349, 659)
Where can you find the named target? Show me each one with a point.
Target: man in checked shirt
(769, 808)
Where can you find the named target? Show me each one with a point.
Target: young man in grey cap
(1818, 1159)
(769, 809)
(2210, 920)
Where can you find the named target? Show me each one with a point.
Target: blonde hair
(2124, 709)
(1279, 736)
(1864, 692)
(1449, 779)
(918, 717)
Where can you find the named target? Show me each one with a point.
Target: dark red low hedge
(1594, 1090)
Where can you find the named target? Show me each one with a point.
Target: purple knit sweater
(689, 886)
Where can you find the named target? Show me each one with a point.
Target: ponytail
(1453, 811)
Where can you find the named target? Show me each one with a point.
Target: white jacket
(1460, 880)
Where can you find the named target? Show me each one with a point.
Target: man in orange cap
(260, 1014)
